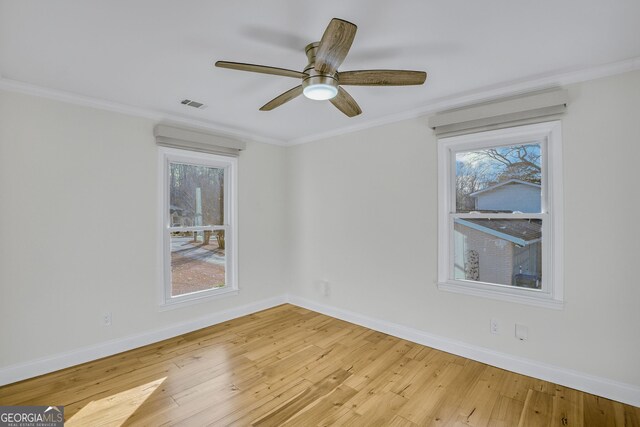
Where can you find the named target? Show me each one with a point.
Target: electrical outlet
(106, 319)
(494, 327)
(326, 288)
(522, 332)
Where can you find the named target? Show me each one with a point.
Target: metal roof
(519, 231)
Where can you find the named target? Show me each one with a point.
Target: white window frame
(549, 135)
(230, 166)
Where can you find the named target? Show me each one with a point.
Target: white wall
(364, 217)
(78, 228)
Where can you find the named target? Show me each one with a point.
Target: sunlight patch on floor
(115, 409)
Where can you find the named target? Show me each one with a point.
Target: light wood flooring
(288, 366)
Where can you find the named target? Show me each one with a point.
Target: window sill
(208, 296)
(497, 294)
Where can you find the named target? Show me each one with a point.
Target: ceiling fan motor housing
(315, 78)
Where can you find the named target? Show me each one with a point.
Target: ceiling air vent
(194, 104)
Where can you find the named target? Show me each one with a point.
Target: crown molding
(485, 94)
(101, 104)
(455, 101)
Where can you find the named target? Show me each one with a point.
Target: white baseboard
(622, 392)
(626, 393)
(59, 361)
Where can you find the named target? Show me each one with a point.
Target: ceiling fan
(321, 79)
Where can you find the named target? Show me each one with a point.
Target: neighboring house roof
(511, 181)
(522, 232)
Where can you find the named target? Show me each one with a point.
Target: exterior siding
(495, 255)
(511, 197)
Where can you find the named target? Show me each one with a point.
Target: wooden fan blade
(382, 78)
(260, 69)
(334, 45)
(281, 99)
(345, 103)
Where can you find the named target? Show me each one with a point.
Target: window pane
(198, 261)
(501, 251)
(501, 179)
(196, 195)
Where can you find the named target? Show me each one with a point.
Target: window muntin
(198, 225)
(499, 230)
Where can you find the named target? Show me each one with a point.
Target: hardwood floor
(288, 366)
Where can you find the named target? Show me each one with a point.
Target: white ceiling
(151, 54)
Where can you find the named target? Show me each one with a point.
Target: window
(198, 225)
(500, 213)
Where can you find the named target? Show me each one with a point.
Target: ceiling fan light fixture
(320, 88)
(320, 78)
(320, 92)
